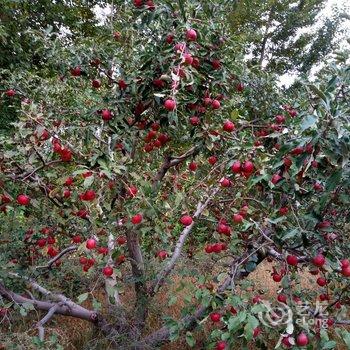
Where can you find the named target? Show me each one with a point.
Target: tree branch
(138, 271)
(110, 282)
(64, 306)
(169, 162)
(57, 257)
(47, 318)
(70, 309)
(29, 174)
(179, 245)
(190, 322)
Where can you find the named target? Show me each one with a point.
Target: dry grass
(76, 334)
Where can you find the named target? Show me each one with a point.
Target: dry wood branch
(48, 316)
(68, 310)
(64, 306)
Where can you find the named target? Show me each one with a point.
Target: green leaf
(345, 335)
(318, 92)
(96, 304)
(190, 340)
(252, 323)
(308, 122)
(234, 114)
(23, 311)
(235, 323)
(182, 9)
(291, 234)
(251, 266)
(334, 180)
(82, 297)
(28, 306)
(88, 181)
(331, 344)
(172, 300)
(277, 220)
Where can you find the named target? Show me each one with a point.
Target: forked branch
(179, 245)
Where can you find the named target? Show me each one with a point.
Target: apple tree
(152, 150)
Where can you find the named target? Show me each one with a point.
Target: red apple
(215, 317)
(138, 3)
(212, 160)
(191, 35)
(240, 87)
(23, 199)
(302, 339)
(276, 178)
(297, 150)
(236, 167)
(208, 248)
(76, 71)
(88, 195)
(319, 260)
(248, 167)
(237, 218)
(292, 260)
(193, 166)
(66, 154)
(76, 239)
(121, 240)
(194, 120)
(345, 263)
(276, 277)
(10, 92)
(107, 271)
(188, 59)
(169, 39)
(225, 182)
(292, 112)
(69, 181)
(318, 187)
(186, 220)
(216, 64)
(195, 63)
(137, 219)
(228, 126)
(91, 243)
(221, 345)
(287, 162)
(215, 104)
(132, 191)
(283, 210)
(41, 242)
(122, 84)
(321, 281)
(170, 104)
(162, 254)
(280, 119)
(282, 298)
(83, 260)
(96, 83)
(106, 114)
(346, 271)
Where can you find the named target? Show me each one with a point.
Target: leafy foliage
(153, 139)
